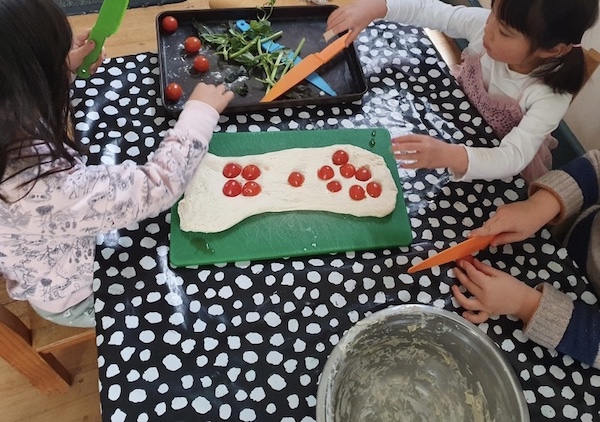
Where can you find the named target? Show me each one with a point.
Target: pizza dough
(205, 208)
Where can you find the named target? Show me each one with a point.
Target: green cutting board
(293, 233)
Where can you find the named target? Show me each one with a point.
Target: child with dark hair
(523, 64)
(52, 204)
(569, 199)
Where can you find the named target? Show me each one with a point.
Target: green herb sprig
(245, 48)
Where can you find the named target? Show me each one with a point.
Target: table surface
(248, 340)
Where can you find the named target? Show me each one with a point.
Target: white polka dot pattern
(247, 341)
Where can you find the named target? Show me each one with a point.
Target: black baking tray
(343, 73)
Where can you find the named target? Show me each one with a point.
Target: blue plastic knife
(271, 46)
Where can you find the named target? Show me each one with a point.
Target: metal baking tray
(343, 73)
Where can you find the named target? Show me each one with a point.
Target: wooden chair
(30, 348)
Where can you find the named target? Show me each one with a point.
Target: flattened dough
(206, 209)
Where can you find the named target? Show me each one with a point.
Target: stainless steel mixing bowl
(418, 363)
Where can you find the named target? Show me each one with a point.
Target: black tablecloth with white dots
(247, 341)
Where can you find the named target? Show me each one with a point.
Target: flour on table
(205, 208)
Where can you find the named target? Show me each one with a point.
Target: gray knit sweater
(559, 323)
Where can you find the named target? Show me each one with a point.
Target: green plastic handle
(109, 18)
(83, 71)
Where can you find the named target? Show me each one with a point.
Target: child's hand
(494, 293)
(355, 17)
(216, 96)
(80, 48)
(423, 151)
(519, 220)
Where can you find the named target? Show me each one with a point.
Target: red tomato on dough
(347, 170)
(334, 186)
(357, 192)
(192, 45)
(250, 172)
(232, 188)
(232, 170)
(374, 189)
(169, 24)
(173, 92)
(251, 189)
(296, 179)
(201, 64)
(340, 157)
(325, 173)
(363, 174)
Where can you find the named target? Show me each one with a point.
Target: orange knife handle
(332, 49)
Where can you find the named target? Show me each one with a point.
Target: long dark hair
(550, 22)
(35, 108)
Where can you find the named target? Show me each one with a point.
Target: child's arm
(423, 151)
(570, 327)
(556, 196)
(550, 317)
(355, 17)
(518, 220)
(456, 22)
(494, 293)
(107, 197)
(576, 185)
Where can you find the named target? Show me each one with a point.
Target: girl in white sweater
(522, 66)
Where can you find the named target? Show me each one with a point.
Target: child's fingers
(469, 303)
(406, 141)
(483, 268)
(476, 318)
(477, 270)
(481, 231)
(334, 19)
(467, 281)
(469, 258)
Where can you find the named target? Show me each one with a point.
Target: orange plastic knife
(306, 66)
(454, 253)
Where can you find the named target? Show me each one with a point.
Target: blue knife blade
(271, 46)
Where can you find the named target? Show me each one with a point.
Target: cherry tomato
(374, 189)
(334, 186)
(173, 92)
(169, 24)
(363, 174)
(192, 45)
(232, 188)
(347, 170)
(325, 173)
(357, 192)
(251, 189)
(232, 170)
(250, 172)
(340, 157)
(201, 64)
(296, 179)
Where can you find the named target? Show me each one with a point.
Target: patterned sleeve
(107, 197)
(572, 328)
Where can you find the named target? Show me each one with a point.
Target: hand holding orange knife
(454, 253)
(306, 66)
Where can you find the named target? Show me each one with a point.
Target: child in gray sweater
(569, 199)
